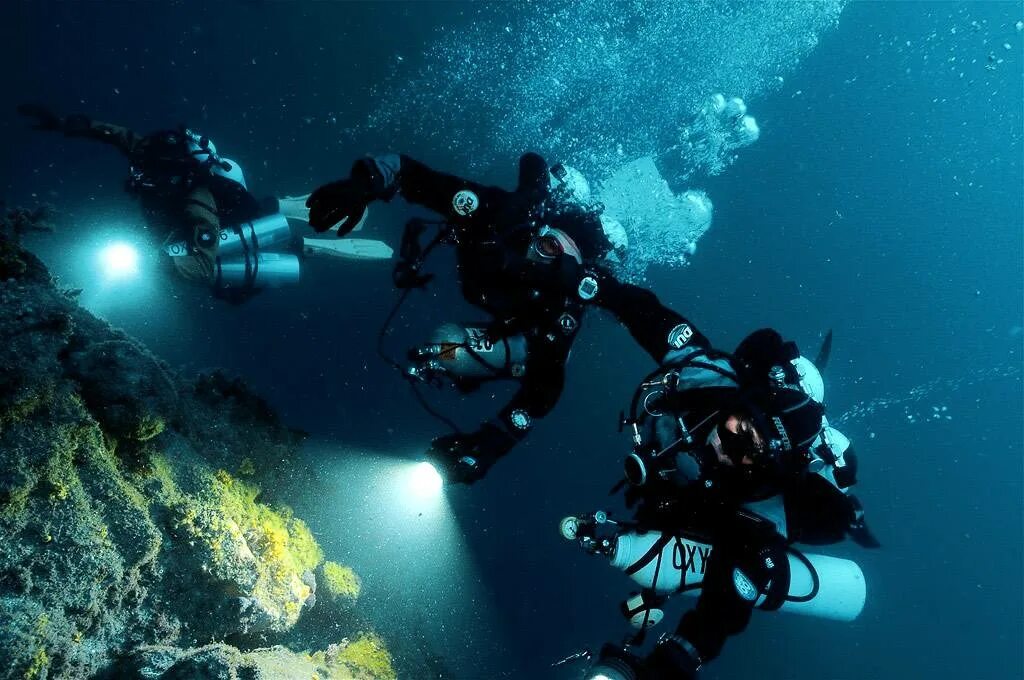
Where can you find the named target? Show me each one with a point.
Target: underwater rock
(255, 555)
(127, 388)
(128, 536)
(15, 223)
(364, 659)
(339, 584)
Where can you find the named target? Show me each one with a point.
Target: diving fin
(863, 536)
(821, 361)
(350, 248)
(294, 208)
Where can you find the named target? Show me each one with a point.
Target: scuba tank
(242, 261)
(467, 355)
(253, 236)
(257, 270)
(664, 564)
(257, 235)
(820, 586)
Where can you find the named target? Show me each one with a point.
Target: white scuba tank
(262, 270)
(257, 235)
(823, 587)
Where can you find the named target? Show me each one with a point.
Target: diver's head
(772, 429)
(570, 195)
(738, 440)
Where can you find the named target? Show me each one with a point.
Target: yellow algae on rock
(365, 658)
(126, 543)
(339, 583)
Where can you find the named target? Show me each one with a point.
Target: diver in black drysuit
(527, 259)
(762, 430)
(729, 448)
(188, 193)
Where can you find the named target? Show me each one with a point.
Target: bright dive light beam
(119, 260)
(425, 481)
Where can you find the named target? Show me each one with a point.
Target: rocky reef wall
(135, 540)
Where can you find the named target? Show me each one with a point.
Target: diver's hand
(619, 662)
(343, 201)
(457, 458)
(45, 119)
(466, 458)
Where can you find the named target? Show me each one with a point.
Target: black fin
(863, 537)
(821, 361)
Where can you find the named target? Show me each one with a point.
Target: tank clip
(643, 610)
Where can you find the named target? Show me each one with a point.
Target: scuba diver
(528, 257)
(217, 232)
(733, 462)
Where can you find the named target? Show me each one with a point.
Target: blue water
(882, 201)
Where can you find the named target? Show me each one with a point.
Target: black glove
(671, 660)
(346, 199)
(45, 119)
(454, 456)
(466, 458)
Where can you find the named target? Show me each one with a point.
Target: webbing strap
(654, 551)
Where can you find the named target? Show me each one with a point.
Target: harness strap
(417, 262)
(652, 553)
(815, 578)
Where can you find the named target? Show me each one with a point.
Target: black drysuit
(713, 503)
(494, 230)
(194, 211)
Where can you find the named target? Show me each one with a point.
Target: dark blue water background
(883, 201)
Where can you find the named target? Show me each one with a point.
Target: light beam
(119, 260)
